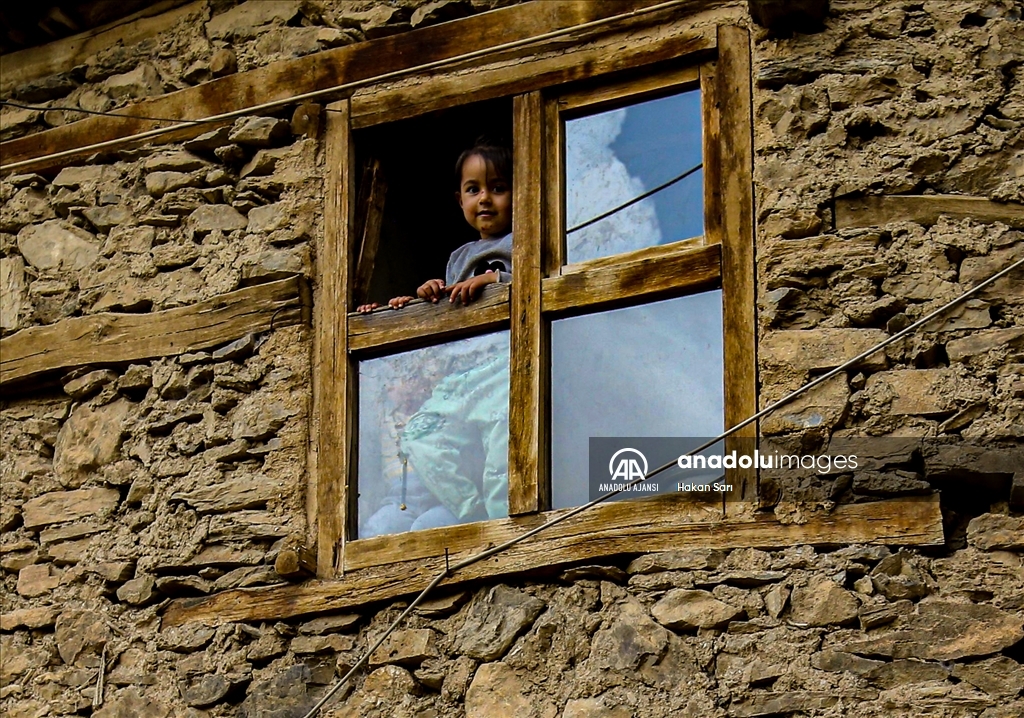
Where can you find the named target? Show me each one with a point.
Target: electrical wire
(337, 89)
(448, 570)
(636, 199)
(102, 113)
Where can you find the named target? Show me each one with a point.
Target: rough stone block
(915, 392)
(208, 217)
(259, 131)
(59, 506)
(37, 579)
(407, 648)
(996, 532)
(494, 621)
(685, 610)
(980, 343)
(57, 243)
(31, 618)
(13, 292)
(815, 350)
(89, 439)
(823, 603)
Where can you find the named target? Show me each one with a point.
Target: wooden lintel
(322, 71)
(898, 522)
(925, 209)
(789, 16)
(422, 321)
(107, 338)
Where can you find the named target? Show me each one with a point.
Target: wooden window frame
(715, 58)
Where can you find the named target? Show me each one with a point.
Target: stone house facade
(180, 365)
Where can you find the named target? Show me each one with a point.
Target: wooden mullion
(633, 281)
(610, 529)
(335, 374)
(712, 154)
(553, 174)
(736, 188)
(528, 360)
(369, 218)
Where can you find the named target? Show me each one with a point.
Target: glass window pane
(651, 370)
(614, 156)
(433, 436)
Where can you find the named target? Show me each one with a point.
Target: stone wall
(124, 487)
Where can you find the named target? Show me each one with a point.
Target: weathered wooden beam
(527, 411)
(111, 338)
(733, 94)
(334, 380)
(283, 80)
(63, 55)
(534, 70)
(900, 522)
(789, 16)
(422, 321)
(648, 275)
(924, 209)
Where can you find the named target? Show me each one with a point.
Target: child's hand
(367, 308)
(399, 302)
(431, 290)
(468, 290)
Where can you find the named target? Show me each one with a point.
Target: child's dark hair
(494, 153)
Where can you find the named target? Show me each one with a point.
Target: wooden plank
(324, 71)
(371, 215)
(553, 180)
(421, 322)
(389, 102)
(712, 154)
(878, 210)
(733, 73)
(635, 90)
(691, 270)
(591, 535)
(528, 441)
(109, 338)
(335, 377)
(657, 251)
(63, 55)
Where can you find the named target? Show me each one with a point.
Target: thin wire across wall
(103, 113)
(449, 570)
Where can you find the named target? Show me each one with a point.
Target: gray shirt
(477, 257)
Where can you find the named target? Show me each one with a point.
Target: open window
(630, 310)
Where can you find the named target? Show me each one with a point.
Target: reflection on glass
(433, 436)
(651, 370)
(614, 156)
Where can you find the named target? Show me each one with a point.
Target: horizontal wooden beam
(540, 66)
(590, 535)
(67, 53)
(647, 275)
(109, 338)
(422, 321)
(878, 210)
(286, 79)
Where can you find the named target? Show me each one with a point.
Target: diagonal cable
(625, 487)
(104, 113)
(645, 195)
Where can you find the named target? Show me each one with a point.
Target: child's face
(485, 198)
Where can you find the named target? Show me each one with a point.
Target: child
(457, 443)
(484, 177)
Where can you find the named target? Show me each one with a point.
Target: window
(646, 310)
